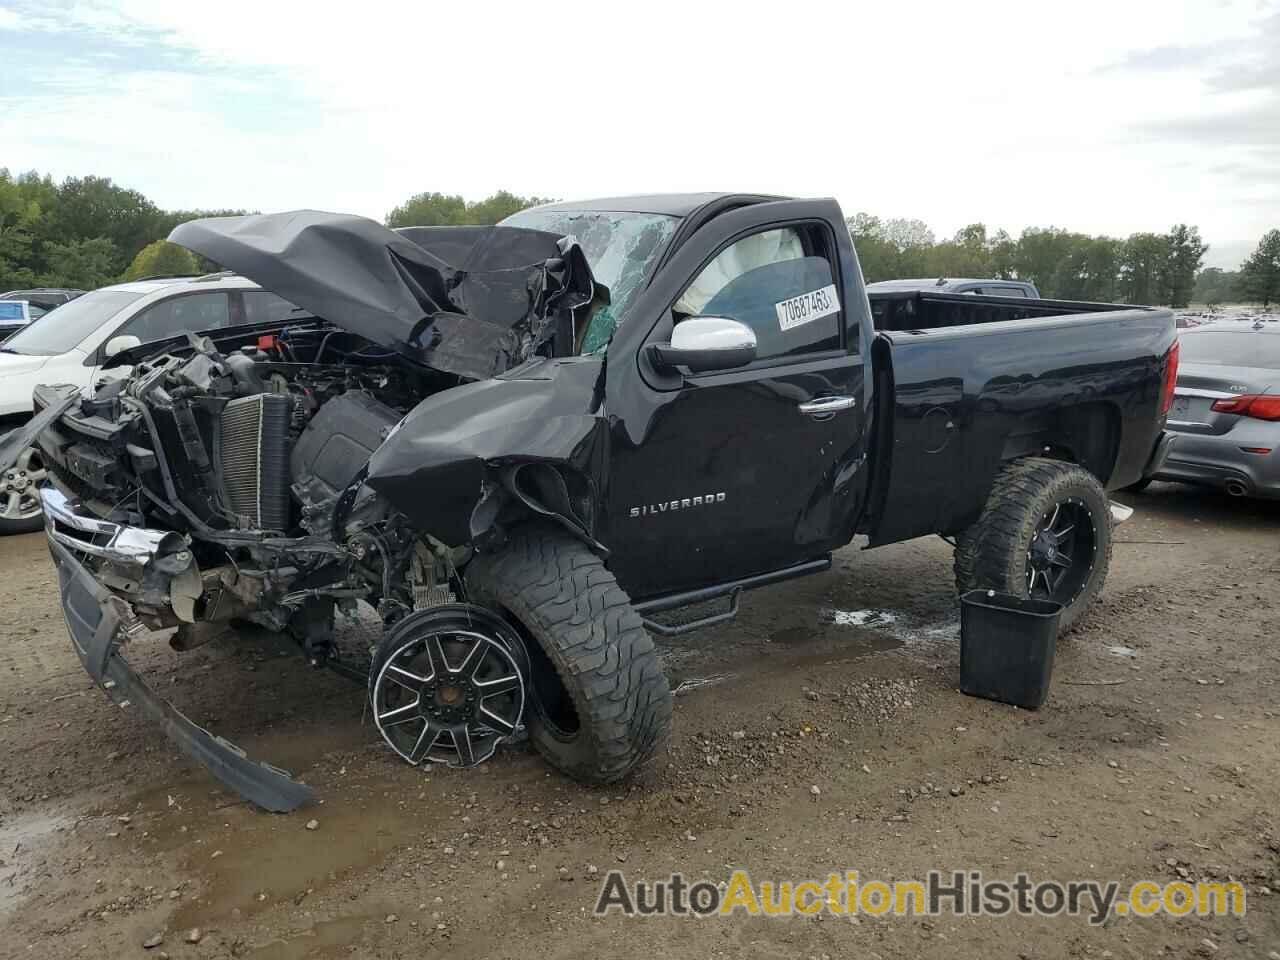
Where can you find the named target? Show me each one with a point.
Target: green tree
(1182, 259)
(81, 263)
(1143, 264)
(19, 217)
(1087, 269)
(1215, 285)
(444, 210)
(1037, 258)
(91, 207)
(161, 258)
(171, 218)
(1004, 254)
(500, 206)
(876, 255)
(967, 254)
(1260, 273)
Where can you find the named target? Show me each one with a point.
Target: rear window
(1245, 348)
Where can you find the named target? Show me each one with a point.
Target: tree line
(1257, 280)
(1158, 268)
(88, 231)
(84, 232)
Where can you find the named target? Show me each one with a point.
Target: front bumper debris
(132, 546)
(99, 622)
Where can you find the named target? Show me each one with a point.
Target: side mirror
(119, 344)
(703, 344)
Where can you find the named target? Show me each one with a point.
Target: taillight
(1250, 405)
(1170, 379)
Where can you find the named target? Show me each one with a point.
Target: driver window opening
(778, 282)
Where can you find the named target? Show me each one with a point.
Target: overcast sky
(1103, 117)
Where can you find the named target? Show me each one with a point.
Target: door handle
(824, 407)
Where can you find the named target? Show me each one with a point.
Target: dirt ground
(1157, 756)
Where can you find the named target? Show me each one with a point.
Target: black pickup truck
(519, 444)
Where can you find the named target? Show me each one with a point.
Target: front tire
(601, 706)
(1045, 532)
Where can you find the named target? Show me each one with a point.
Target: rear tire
(1045, 532)
(601, 706)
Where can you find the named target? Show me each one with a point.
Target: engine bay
(256, 450)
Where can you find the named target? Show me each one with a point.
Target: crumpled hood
(471, 301)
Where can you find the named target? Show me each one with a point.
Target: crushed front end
(274, 475)
(209, 488)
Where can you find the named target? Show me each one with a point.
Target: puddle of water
(323, 939)
(360, 825)
(277, 856)
(872, 641)
(862, 618)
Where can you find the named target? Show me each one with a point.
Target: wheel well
(551, 491)
(1087, 434)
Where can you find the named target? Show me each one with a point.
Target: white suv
(70, 344)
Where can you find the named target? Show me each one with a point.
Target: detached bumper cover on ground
(98, 621)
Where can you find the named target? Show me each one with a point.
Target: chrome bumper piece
(102, 538)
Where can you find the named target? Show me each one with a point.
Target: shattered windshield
(621, 248)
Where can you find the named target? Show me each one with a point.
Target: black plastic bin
(1007, 645)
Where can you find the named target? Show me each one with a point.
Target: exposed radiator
(255, 459)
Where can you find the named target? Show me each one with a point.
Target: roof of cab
(196, 282)
(669, 204)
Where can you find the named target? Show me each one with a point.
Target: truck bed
(1040, 377)
(924, 310)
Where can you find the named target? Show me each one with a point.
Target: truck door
(725, 474)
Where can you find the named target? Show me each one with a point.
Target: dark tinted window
(260, 306)
(194, 312)
(1244, 348)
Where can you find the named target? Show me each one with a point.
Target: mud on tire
(601, 706)
(995, 553)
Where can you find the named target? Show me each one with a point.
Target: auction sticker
(808, 307)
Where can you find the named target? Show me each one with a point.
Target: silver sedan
(1226, 410)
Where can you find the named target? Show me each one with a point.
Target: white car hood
(12, 363)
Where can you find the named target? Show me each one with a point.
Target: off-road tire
(992, 553)
(561, 598)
